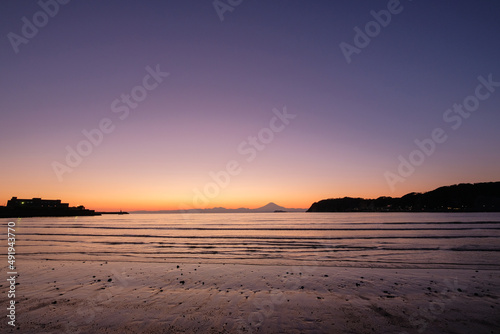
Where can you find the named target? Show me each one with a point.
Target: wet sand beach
(258, 273)
(124, 297)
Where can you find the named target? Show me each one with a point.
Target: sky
(150, 105)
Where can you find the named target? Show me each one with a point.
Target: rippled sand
(124, 297)
(259, 273)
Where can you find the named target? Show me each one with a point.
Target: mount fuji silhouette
(269, 207)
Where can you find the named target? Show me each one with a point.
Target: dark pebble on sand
(302, 287)
(182, 282)
(54, 302)
(109, 280)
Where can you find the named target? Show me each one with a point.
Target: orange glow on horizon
(252, 189)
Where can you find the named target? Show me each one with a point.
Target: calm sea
(393, 240)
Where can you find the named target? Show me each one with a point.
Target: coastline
(14, 214)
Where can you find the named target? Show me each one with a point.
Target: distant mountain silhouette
(270, 207)
(465, 197)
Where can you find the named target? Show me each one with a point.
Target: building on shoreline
(37, 207)
(14, 202)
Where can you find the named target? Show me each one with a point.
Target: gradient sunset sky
(348, 122)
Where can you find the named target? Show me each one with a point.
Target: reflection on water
(407, 240)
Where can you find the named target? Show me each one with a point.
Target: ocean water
(380, 240)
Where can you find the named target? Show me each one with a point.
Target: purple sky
(353, 120)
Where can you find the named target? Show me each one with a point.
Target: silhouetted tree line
(466, 197)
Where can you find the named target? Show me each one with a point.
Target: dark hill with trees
(465, 197)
